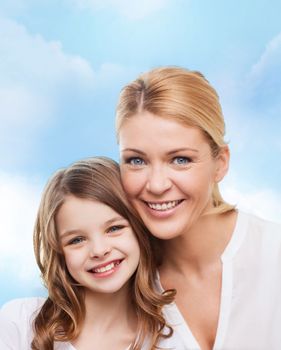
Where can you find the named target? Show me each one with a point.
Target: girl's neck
(103, 309)
(110, 321)
(201, 246)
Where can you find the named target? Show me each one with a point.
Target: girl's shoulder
(16, 317)
(19, 309)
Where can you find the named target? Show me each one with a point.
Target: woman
(95, 260)
(224, 264)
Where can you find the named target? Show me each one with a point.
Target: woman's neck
(201, 246)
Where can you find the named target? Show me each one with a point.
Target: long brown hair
(181, 95)
(62, 314)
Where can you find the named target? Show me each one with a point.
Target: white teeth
(105, 268)
(163, 206)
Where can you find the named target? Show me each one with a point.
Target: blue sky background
(62, 65)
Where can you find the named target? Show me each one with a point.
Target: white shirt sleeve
(9, 336)
(16, 319)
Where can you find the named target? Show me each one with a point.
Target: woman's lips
(162, 209)
(163, 206)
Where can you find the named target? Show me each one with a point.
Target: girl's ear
(222, 163)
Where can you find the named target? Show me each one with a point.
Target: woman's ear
(222, 163)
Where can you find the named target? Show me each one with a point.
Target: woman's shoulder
(262, 226)
(262, 238)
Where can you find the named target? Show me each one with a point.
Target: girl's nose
(100, 248)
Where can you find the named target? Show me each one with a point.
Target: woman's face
(168, 172)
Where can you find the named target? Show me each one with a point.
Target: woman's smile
(162, 210)
(164, 206)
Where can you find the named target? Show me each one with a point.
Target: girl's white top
(16, 333)
(250, 309)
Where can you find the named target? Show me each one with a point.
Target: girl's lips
(106, 263)
(106, 269)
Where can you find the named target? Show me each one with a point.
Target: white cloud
(34, 74)
(270, 59)
(131, 9)
(19, 105)
(39, 85)
(30, 59)
(252, 108)
(19, 200)
(264, 80)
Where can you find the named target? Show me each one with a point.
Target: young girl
(96, 263)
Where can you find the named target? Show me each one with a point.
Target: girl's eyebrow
(70, 232)
(106, 223)
(116, 218)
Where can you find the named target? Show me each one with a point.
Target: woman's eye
(181, 160)
(136, 161)
(76, 240)
(115, 228)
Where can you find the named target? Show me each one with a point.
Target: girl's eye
(181, 160)
(136, 161)
(76, 240)
(115, 228)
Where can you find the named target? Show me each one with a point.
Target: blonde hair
(181, 95)
(62, 314)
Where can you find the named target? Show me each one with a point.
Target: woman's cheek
(132, 182)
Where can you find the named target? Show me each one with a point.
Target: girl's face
(168, 172)
(100, 248)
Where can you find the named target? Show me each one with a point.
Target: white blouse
(250, 306)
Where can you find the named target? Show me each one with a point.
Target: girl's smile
(106, 269)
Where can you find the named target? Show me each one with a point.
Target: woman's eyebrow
(182, 149)
(133, 150)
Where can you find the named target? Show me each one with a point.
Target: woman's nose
(158, 180)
